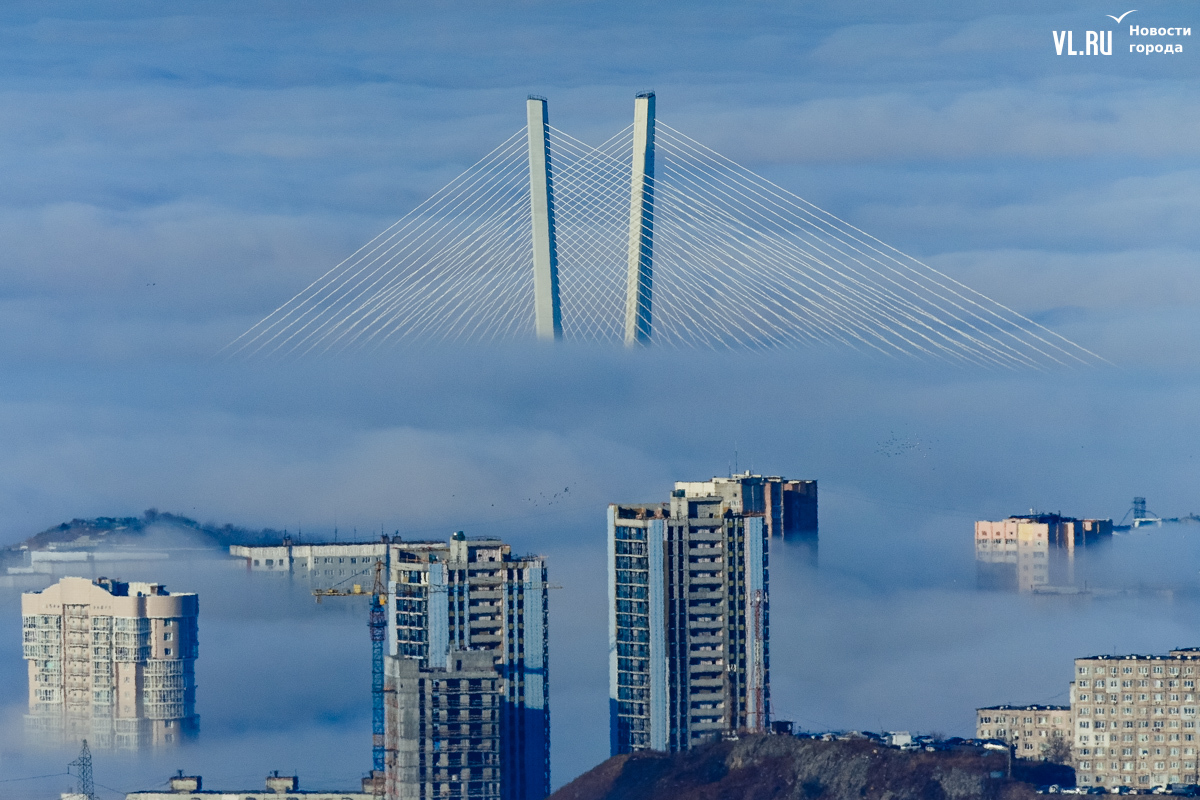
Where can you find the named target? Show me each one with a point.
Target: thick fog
(889, 631)
(174, 174)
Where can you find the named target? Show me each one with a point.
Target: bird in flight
(1123, 16)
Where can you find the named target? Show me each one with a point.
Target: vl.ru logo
(1095, 43)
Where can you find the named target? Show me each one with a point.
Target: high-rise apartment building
(1033, 552)
(1135, 719)
(688, 620)
(111, 662)
(468, 663)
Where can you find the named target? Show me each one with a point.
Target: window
(167, 636)
(167, 651)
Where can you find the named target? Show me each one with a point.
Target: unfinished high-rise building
(467, 700)
(689, 621)
(789, 507)
(110, 662)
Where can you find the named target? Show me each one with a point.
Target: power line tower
(87, 789)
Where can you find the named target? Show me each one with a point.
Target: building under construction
(689, 656)
(467, 699)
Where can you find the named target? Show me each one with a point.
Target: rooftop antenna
(87, 788)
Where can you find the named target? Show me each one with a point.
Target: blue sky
(175, 172)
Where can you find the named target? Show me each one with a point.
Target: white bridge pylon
(647, 238)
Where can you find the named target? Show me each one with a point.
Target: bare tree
(1057, 750)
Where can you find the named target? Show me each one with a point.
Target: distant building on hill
(1033, 552)
(110, 662)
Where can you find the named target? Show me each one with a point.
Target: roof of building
(1184, 652)
(1034, 707)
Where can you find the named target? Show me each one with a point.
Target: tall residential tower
(111, 662)
(689, 656)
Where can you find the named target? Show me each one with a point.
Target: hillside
(788, 768)
(108, 531)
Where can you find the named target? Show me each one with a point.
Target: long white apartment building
(110, 662)
(323, 565)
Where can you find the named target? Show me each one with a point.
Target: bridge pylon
(547, 313)
(640, 278)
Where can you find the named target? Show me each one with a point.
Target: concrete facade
(474, 595)
(689, 623)
(465, 595)
(1030, 730)
(1135, 719)
(444, 726)
(110, 662)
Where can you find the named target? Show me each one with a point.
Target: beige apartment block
(1135, 719)
(1035, 552)
(1033, 731)
(110, 662)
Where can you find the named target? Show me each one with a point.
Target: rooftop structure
(111, 662)
(689, 655)
(789, 507)
(191, 787)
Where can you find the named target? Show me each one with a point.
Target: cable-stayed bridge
(648, 238)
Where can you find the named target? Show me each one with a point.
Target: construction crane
(378, 626)
(378, 623)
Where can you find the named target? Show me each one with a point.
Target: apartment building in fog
(111, 662)
(689, 620)
(1033, 552)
